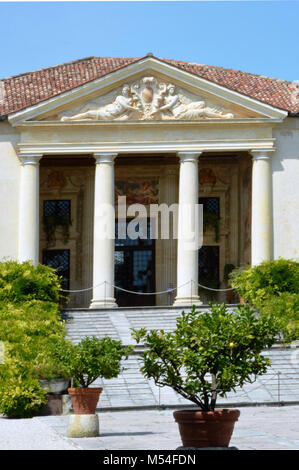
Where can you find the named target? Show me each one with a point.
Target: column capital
(189, 156)
(30, 158)
(105, 157)
(262, 154)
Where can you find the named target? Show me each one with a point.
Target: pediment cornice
(155, 91)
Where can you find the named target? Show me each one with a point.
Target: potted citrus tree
(87, 361)
(206, 356)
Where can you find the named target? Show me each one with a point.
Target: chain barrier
(168, 291)
(82, 290)
(216, 290)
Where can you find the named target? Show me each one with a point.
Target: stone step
(131, 389)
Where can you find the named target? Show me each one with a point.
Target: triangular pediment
(148, 90)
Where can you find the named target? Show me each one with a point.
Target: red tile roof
(22, 91)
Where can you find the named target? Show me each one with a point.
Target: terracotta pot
(206, 428)
(84, 400)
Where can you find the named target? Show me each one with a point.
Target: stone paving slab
(131, 389)
(31, 434)
(258, 428)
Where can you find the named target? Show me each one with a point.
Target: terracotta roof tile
(22, 91)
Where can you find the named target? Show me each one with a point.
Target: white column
(261, 212)
(187, 253)
(29, 209)
(104, 230)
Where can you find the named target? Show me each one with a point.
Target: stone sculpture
(149, 99)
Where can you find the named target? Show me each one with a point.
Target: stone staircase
(131, 389)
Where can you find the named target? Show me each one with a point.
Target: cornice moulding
(147, 147)
(146, 65)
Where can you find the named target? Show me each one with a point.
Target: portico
(185, 182)
(187, 139)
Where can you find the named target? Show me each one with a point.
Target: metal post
(278, 388)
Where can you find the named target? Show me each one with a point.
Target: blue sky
(255, 36)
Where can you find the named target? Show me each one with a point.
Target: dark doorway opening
(134, 268)
(208, 271)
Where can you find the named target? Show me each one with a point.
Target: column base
(187, 301)
(103, 303)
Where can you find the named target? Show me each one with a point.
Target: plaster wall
(9, 191)
(285, 169)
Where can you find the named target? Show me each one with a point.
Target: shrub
(268, 278)
(208, 354)
(92, 358)
(286, 309)
(28, 329)
(31, 326)
(273, 288)
(48, 371)
(22, 282)
(21, 398)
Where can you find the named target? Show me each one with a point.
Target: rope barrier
(146, 293)
(83, 290)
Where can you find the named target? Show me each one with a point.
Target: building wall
(285, 167)
(9, 191)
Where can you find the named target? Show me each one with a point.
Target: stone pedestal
(54, 405)
(83, 426)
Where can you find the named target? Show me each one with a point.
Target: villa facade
(79, 135)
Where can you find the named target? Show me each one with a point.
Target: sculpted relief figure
(149, 99)
(174, 107)
(118, 109)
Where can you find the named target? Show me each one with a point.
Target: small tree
(91, 358)
(208, 354)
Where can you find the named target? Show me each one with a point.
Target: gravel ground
(258, 428)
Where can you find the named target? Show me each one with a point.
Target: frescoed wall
(138, 191)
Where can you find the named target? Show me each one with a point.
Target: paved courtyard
(258, 428)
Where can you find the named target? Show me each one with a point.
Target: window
(58, 208)
(210, 204)
(56, 214)
(59, 260)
